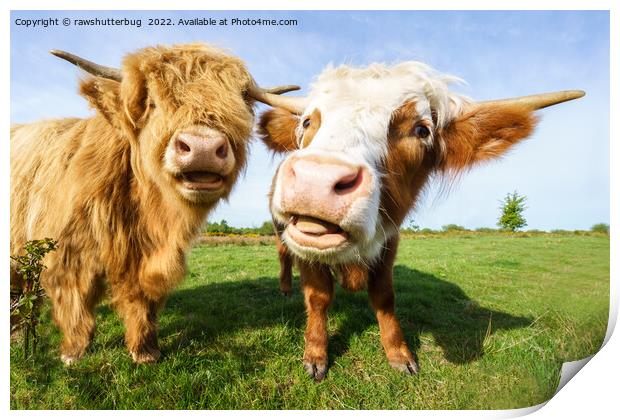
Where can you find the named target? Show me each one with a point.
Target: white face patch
(356, 108)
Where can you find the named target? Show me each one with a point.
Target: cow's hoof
(145, 356)
(317, 371)
(409, 366)
(287, 293)
(68, 360)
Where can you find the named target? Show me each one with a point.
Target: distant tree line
(266, 229)
(602, 228)
(223, 228)
(511, 219)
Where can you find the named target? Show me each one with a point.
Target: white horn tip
(58, 52)
(576, 94)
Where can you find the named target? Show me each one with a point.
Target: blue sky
(563, 168)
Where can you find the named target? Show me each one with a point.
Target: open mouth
(315, 233)
(200, 181)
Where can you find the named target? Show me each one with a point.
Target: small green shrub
(512, 209)
(266, 229)
(427, 231)
(27, 297)
(223, 228)
(453, 228)
(486, 230)
(600, 228)
(411, 227)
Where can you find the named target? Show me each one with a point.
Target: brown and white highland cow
(364, 144)
(124, 192)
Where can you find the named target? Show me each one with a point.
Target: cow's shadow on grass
(424, 304)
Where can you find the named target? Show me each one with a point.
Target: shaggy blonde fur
(98, 187)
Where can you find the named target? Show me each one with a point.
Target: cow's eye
(306, 123)
(421, 131)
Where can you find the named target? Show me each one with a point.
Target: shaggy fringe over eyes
(196, 82)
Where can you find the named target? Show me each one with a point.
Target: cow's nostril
(222, 151)
(348, 183)
(183, 147)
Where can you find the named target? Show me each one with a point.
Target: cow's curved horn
(277, 90)
(269, 96)
(542, 100)
(294, 104)
(88, 66)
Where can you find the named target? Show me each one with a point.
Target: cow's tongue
(311, 226)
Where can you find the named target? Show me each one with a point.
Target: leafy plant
(266, 229)
(427, 231)
(512, 209)
(600, 228)
(412, 225)
(223, 228)
(27, 297)
(453, 228)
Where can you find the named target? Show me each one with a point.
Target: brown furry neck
(165, 218)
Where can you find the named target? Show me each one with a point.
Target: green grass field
(490, 317)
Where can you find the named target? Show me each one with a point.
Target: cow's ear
(134, 92)
(277, 128)
(104, 96)
(484, 132)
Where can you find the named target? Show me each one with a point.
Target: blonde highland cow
(124, 192)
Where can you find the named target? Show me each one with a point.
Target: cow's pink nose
(188, 144)
(203, 152)
(324, 189)
(325, 178)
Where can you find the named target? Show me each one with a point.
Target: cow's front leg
(381, 294)
(139, 314)
(74, 296)
(318, 287)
